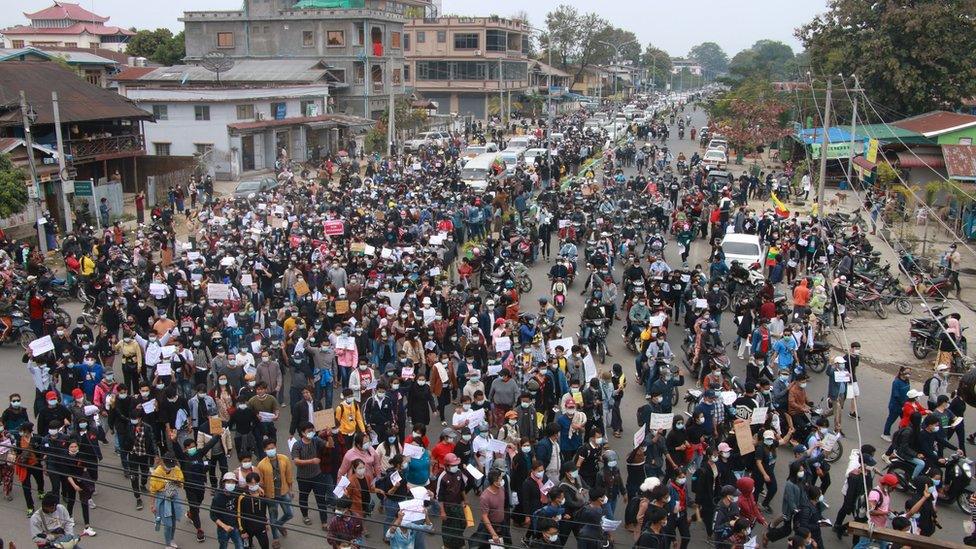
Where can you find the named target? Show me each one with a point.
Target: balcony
(105, 148)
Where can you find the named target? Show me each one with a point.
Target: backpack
(861, 506)
(927, 387)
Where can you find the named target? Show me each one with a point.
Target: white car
(520, 143)
(426, 138)
(472, 151)
(745, 248)
(718, 143)
(531, 154)
(715, 158)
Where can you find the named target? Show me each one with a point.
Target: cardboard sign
(301, 288)
(335, 227)
(216, 426)
(342, 306)
(743, 437)
(639, 437)
(357, 247)
(660, 421)
(323, 419)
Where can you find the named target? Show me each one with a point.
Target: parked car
(472, 151)
(531, 154)
(747, 249)
(715, 158)
(424, 139)
(718, 143)
(476, 172)
(246, 188)
(521, 143)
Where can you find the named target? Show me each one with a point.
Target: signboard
(872, 154)
(84, 188)
(834, 150)
(334, 227)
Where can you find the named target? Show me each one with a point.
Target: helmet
(509, 284)
(543, 300)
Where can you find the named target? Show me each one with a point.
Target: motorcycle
(816, 358)
(957, 472)
(16, 327)
(597, 338)
(559, 294)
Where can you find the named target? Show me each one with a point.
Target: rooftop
(244, 70)
(323, 119)
(886, 133)
(960, 161)
(79, 100)
(65, 10)
(94, 29)
(74, 57)
(936, 123)
(207, 95)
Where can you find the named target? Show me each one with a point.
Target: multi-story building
(461, 63)
(362, 40)
(679, 64)
(65, 25)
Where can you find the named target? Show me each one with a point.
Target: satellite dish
(216, 62)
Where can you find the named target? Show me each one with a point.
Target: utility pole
(850, 153)
(29, 143)
(501, 96)
(62, 164)
(390, 131)
(821, 184)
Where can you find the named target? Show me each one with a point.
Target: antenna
(216, 62)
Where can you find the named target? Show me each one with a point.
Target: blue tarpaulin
(809, 136)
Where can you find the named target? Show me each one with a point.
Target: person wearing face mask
(590, 518)
(707, 489)
(165, 484)
(798, 404)
(305, 454)
(450, 488)
(654, 537)
(420, 402)
(589, 456)
(808, 515)
(275, 473)
(571, 426)
(531, 498)
(349, 417)
(252, 512)
(360, 380)
(359, 488)
(363, 452)
(192, 460)
(138, 445)
(572, 488)
(610, 481)
(15, 414)
(223, 512)
(726, 513)
(243, 423)
(900, 387)
(494, 518)
(90, 373)
(764, 472)
(379, 411)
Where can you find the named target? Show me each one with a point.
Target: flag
(781, 209)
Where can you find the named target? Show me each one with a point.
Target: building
(678, 64)
(591, 81)
(239, 124)
(946, 128)
(361, 40)
(66, 25)
(93, 68)
(102, 130)
(465, 64)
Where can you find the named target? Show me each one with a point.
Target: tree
(711, 57)
(159, 45)
(658, 64)
(910, 57)
(631, 50)
(13, 188)
(768, 59)
(751, 115)
(574, 38)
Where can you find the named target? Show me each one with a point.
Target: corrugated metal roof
(217, 95)
(65, 10)
(909, 160)
(886, 133)
(79, 100)
(937, 122)
(809, 136)
(960, 161)
(339, 119)
(245, 70)
(83, 58)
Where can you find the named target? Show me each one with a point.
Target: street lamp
(616, 56)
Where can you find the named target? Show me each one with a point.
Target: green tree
(658, 64)
(13, 187)
(910, 57)
(631, 50)
(711, 57)
(768, 59)
(171, 52)
(575, 38)
(159, 46)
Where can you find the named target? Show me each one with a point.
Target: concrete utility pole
(29, 142)
(501, 95)
(62, 164)
(390, 132)
(850, 153)
(821, 184)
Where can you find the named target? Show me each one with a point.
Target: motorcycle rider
(593, 311)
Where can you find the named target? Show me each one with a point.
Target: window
(395, 40)
(309, 107)
(161, 149)
(335, 39)
(71, 44)
(279, 110)
(406, 42)
(360, 34)
(337, 76)
(17, 43)
(421, 37)
(203, 149)
(965, 140)
(308, 39)
(245, 112)
(465, 40)
(225, 40)
(495, 40)
(441, 37)
(160, 112)
(514, 42)
(406, 73)
(360, 70)
(397, 77)
(376, 78)
(201, 112)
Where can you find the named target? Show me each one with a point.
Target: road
(120, 525)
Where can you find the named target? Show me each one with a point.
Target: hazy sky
(669, 24)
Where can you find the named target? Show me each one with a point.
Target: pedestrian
(275, 472)
(165, 484)
(103, 212)
(224, 514)
(896, 400)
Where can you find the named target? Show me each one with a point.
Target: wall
(953, 138)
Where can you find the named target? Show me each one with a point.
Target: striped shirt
(303, 450)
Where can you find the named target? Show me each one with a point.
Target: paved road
(119, 524)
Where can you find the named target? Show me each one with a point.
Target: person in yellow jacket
(87, 266)
(349, 417)
(130, 353)
(165, 483)
(276, 473)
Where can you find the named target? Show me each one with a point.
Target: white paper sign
(661, 421)
(566, 343)
(164, 369)
(639, 437)
(158, 290)
(168, 350)
(589, 367)
(497, 446)
(728, 397)
(420, 492)
(395, 478)
(842, 376)
(609, 525)
(494, 369)
(256, 346)
(340, 489)
(231, 320)
(41, 345)
(503, 344)
(759, 416)
(149, 406)
(395, 298)
(406, 372)
(266, 417)
(549, 485)
(246, 280)
(218, 292)
(474, 472)
(413, 451)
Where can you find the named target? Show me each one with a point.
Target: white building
(199, 121)
(678, 64)
(66, 25)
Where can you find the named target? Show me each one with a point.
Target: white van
(745, 248)
(475, 173)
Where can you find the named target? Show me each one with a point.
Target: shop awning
(315, 122)
(909, 160)
(862, 162)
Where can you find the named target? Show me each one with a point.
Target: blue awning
(809, 136)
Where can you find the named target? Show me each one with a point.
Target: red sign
(336, 227)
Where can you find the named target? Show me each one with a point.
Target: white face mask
(230, 486)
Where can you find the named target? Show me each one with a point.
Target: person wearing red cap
(879, 500)
(53, 411)
(450, 488)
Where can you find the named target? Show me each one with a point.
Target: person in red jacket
(911, 406)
